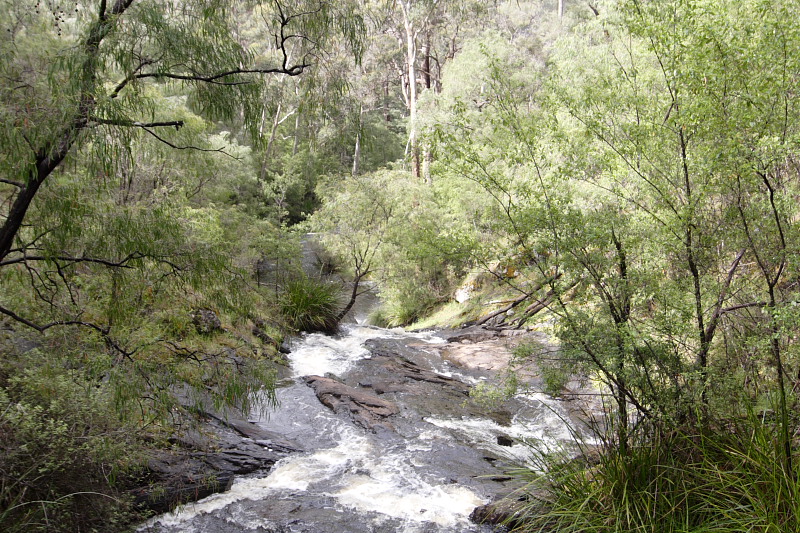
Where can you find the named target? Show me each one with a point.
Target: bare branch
(105, 332)
(189, 147)
(294, 70)
(130, 77)
(122, 263)
(177, 124)
(17, 184)
(742, 306)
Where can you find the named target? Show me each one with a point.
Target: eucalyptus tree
(77, 78)
(429, 33)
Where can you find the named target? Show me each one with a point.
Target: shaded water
(439, 461)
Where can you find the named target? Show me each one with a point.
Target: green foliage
(555, 371)
(389, 226)
(65, 453)
(311, 304)
(683, 481)
(492, 395)
(643, 173)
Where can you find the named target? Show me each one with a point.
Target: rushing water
(438, 463)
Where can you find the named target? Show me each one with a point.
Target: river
(421, 470)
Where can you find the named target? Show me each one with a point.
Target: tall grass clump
(310, 304)
(726, 477)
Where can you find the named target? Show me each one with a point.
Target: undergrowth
(311, 304)
(64, 453)
(726, 477)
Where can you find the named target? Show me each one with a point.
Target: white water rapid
(424, 475)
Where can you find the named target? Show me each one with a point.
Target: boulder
(364, 408)
(175, 477)
(505, 440)
(206, 460)
(206, 321)
(505, 512)
(409, 371)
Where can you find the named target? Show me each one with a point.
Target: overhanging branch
(187, 147)
(117, 264)
(177, 124)
(17, 184)
(41, 328)
(294, 70)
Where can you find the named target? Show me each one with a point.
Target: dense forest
(621, 174)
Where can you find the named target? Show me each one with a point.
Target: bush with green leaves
(65, 455)
(311, 304)
(389, 226)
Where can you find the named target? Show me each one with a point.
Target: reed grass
(726, 477)
(311, 304)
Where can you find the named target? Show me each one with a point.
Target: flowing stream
(434, 461)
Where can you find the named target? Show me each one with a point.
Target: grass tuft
(725, 478)
(311, 304)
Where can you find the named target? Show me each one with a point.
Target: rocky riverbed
(376, 432)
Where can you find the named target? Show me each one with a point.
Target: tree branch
(105, 332)
(742, 306)
(130, 77)
(16, 184)
(105, 262)
(177, 124)
(189, 147)
(294, 70)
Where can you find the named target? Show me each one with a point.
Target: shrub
(311, 304)
(726, 477)
(63, 451)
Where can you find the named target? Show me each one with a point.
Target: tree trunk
(50, 156)
(426, 58)
(357, 151)
(353, 296)
(296, 122)
(411, 59)
(427, 159)
(386, 115)
(268, 150)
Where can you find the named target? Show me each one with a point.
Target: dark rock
(179, 476)
(411, 371)
(399, 369)
(178, 490)
(506, 512)
(505, 440)
(191, 440)
(206, 461)
(206, 321)
(264, 337)
(23, 345)
(382, 387)
(262, 436)
(365, 408)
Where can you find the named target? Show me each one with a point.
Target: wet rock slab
(204, 463)
(365, 408)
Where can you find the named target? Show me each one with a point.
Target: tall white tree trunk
(357, 151)
(411, 58)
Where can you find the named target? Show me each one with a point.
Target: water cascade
(422, 469)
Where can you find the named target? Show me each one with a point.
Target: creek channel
(408, 451)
